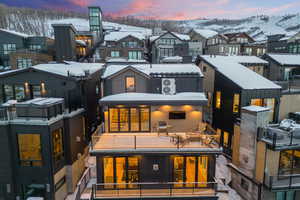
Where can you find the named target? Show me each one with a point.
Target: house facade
(43, 147)
(163, 46)
(145, 110)
(126, 45)
(230, 86)
(199, 38)
(18, 50)
(77, 83)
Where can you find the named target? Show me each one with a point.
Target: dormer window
(130, 84)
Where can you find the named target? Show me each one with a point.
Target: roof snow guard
(185, 98)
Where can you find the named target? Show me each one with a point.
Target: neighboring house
(199, 39)
(126, 45)
(43, 149)
(19, 50)
(164, 46)
(152, 147)
(254, 49)
(284, 71)
(266, 158)
(77, 83)
(228, 44)
(230, 86)
(282, 43)
(293, 45)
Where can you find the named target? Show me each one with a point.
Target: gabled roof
(206, 33)
(15, 33)
(182, 37)
(239, 74)
(285, 59)
(155, 69)
(118, 35)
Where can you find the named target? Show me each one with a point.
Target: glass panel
(20, 93)
(145, 119)
(218, 100)
(134, 119)
(190, 171)
(290, 195)
(236, 103)
(296, 161)
(257, 102)
(121, 172)
(280, 195)
(270, 103)
(124, 119)
(1, 94)
(30, 153)
(218, 137)
(36, 91)
(133, 171)
(226, 139)
(285, 162)
(178, 171)
(108, 171)
(9, 94)
(202, 171)
(58, 151)
(113, 119)
(130, 84)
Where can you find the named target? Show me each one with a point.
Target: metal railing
(152, 141)
(278, 138)
(290, 85)
(291, 181)
(81, 185)
(146, 190)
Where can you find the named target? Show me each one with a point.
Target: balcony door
(133, 119)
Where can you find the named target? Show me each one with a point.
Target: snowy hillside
(258, 27)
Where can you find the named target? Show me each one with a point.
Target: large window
(166, 52)
(130, 84)
(187, 170)
(286, 195)
(9, 48)
(115, 54)
(134, 55)
(30, 152)
(35, 47)
(36, 91)
(226, 139)
(24, 63)
(236, 103)
(289, 162)
(218, 99)
(123, 171)
(58, 150)
(20, 92)
(9, 92)
(129, 119)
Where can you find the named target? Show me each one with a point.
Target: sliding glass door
(129, 119)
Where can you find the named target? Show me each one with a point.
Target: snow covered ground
(223, 172)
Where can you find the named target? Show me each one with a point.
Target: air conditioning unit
(168, 86)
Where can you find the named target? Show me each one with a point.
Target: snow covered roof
(239, 74)
(180, 36)
(286, 59)
(41, 102)
(187, 98)
(206, 33)
(69, 68)
(254, 108)
(124, 60)
(156, 68)
(15, 33)
(174, 59)
(241, 59)
(118, 35)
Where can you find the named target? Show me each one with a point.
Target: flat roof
(185, 98)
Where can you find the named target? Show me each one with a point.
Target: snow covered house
(199, 39)
(170, 44)
(266, 157)
(123, 45)
(77, 83)
(281, 43)
(229, 86)
(153, 145)
(228, 44)
(18, 50)
(43, 148)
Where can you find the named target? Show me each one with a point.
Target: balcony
(279, 139)
(291, 181)
(154, 191)
(290, 86)
(109, 143)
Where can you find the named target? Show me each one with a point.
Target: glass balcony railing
(291, 181)
(153, 190)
